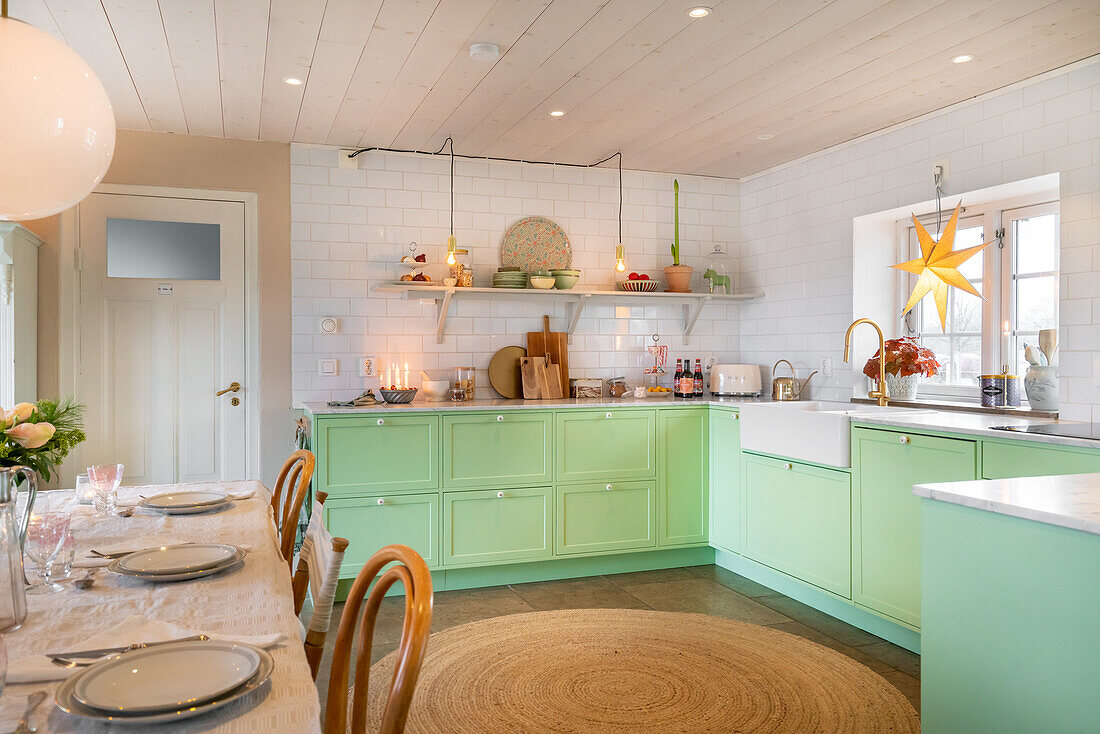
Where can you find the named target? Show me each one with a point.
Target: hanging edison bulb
(620, 258)
(452, 245)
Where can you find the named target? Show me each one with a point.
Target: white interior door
(162, 330)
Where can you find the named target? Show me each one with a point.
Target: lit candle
(386, 384)
(1006, 346)
(405, 382)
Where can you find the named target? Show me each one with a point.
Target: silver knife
(124, 648)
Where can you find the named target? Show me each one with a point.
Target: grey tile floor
(700, 589)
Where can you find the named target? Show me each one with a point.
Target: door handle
(233, 387)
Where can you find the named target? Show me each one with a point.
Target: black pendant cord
(486, 157)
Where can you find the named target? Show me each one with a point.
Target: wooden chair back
(291, 488)
(413, 573)
(318, 573)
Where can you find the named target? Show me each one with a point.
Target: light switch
(330, 325)
(327, 367)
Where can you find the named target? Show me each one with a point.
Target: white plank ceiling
(675, 94)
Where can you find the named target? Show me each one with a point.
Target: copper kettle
(788, 388)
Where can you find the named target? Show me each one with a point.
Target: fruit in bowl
(638, 283)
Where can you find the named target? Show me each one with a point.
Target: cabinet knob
(608, 488)
(903, 439)
(500, 494)
(381, 421)
(381, 501)
(500, 418)
(736, 416)
(788, 466)
(607, 415)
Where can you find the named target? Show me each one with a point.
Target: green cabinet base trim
(559, 568)
(820, 600)
(1010, 624)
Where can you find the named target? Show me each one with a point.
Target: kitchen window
(1017, 274)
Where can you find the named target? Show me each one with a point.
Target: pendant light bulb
(452, 245)
(620, 258)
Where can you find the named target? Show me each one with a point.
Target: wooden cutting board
(529, 370)
(554, 343)
(504, 372)
(553, 380)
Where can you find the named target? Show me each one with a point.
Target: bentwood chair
(318, 574)
(412, 572)
(289, 495)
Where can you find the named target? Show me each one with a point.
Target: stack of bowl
(565, 279)
(542, 280)
(509, 278)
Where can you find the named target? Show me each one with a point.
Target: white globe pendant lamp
(57, 130)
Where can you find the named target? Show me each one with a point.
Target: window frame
(996, 219)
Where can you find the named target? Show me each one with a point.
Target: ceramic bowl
(564, 282)
(542, 282)
(436, 390)
(399, 396)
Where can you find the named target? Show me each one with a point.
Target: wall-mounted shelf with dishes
(692, 303)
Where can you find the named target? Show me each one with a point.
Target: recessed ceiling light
(484, 51)
(962, 58)
(765, 136)
(557, 113)
(293, 81)
(699, 11)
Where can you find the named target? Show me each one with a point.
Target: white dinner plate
(173, 500)
(166, 677)
(186, 510)
(172, 559)
(233, 562)
(67, 702)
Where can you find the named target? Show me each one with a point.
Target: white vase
(1041, 386)
(902, 388)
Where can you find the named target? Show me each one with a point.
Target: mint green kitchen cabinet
(495, 525)
(377, 454)
(798, 520)
(682, 502)
(507, 449)
(1007, 459)
(599, 445)
(886, 465)
(370, 523)
(608, 516)
(725, 480)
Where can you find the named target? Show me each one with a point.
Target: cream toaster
(735, 379)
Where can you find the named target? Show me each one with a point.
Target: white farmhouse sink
(812, 430)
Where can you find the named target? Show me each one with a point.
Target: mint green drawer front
(1020, 459)
(888, 529)
(798, 520)
(595, 518)
(682, 491)
(725, 480)
(606, 444)
(498, 525)
(507, 449)
(370, 523)
(378, 453)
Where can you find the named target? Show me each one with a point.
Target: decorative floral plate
(535, 243)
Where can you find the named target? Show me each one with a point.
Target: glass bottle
(697, 380)
(13, 534)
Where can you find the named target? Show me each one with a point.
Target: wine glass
(47, 533)
(105, 479)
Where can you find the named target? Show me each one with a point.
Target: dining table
(251, 599)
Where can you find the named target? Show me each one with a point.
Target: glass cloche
(719, 269)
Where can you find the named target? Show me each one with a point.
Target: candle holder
(399, 396)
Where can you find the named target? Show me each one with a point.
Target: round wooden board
(504, 372)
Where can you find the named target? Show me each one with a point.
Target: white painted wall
(796, 221)
(351, 227)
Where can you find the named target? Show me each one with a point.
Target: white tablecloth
(253, 600)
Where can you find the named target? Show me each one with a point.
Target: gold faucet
(880, 393)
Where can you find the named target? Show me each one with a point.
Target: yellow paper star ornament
(938, 266)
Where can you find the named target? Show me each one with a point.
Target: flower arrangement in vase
(677, 275)
(40, 435)
(906, 362)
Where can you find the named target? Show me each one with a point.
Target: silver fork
(33, 701)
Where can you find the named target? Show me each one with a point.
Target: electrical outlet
(327, 367)
(367, 367)
(826, 366)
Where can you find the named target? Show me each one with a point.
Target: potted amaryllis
(40, 435)
(906, 362)
(677, 275)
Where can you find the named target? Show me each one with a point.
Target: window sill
(965, 407)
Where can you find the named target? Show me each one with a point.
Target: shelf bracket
(576, 308)
(691, 315)
(442, 306)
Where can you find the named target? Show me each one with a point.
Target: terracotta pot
(679, 278)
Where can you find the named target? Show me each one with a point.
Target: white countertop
(507, 404)
(1071, 501)
(974, 424)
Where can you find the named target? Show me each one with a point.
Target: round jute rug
(609, 671)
